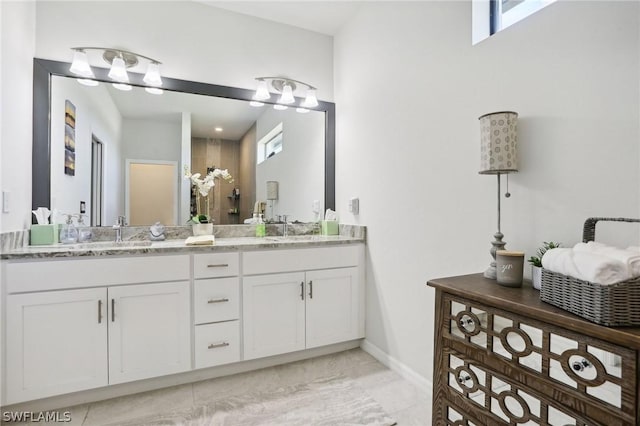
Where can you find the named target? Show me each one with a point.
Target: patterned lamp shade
(498, 142)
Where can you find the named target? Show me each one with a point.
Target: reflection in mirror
(129, 146)
(106, 190)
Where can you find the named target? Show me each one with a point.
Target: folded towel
(634, 248)
(586, 266)
(201, 240)
(630, 258)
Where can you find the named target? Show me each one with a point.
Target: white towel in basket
(630, 258)
(585, 266)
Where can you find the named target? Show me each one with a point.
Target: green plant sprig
(537, 260)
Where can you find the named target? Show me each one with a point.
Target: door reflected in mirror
(145, 140)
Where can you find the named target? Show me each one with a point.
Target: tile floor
(406, 403)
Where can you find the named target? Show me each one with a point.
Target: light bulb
(310, 101)
(256, 104)
(80, 65)
(87, 82)
(287, 95)
(118, 71)
(121, 86)
(154, 90)
(262, 92)
(152, 77)
(280, 107)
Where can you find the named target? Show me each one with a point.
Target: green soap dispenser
(261, 228)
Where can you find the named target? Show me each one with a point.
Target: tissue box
(43, 235)
(329, 227)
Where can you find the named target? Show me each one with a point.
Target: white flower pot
(536, 277)
(202, 229)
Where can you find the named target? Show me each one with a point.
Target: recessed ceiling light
(218, 129)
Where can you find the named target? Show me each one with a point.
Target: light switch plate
(354, 205)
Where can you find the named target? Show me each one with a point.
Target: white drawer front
(216, 265)
(92, 272)
(303, 259)
(216, 300)
(217, 344)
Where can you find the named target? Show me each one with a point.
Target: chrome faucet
(285, 226)
(118, 227)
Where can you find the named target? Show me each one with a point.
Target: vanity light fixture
(498, 155)
(119, 60)
(286, 88)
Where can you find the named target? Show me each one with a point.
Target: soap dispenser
(69, 233)
(84, 231)
(261, 228)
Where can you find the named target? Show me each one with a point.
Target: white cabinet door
(273, 314)
(56, 343)
(332, 306)
(149, 331)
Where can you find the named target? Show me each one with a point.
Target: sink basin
(109, 244)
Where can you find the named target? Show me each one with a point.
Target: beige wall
(148, 204)
(247, 176)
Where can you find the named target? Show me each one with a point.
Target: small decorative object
(498, 155)
(509, 266)
(156, 232)
(536, 263)
(203, 188)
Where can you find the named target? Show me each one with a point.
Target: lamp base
(498, 244)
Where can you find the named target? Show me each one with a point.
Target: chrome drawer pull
(217, 345)
(218, 300)
(463, 379)
(581, 365)
(218, 265)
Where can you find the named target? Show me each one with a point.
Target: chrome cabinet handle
(302, 290)
(224, 299)
(217, 345)
(100, 311)
(310, 289)
(581, 365)
(462, 379)
(113, 310)
(218, 265)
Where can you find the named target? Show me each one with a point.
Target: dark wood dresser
(503, 357)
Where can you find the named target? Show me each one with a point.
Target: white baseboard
(397, 366)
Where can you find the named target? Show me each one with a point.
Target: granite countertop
(137, 247)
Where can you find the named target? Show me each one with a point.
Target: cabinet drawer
(217, 344)
(216, 265)
(275, 261)
(216, 300)
(66, 274)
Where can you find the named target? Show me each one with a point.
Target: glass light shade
(118, 71)
(272, 190)
(154, 90)
(262, 92)
(152, 77)
(302, 110)
(121, 86)
(287, 95)
(310, 101)
(256, 104)
(87, 82)
(80, 65)
(280, 107)
(499, 142)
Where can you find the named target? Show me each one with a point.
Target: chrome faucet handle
(122, 221)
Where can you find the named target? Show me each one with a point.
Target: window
(491, 16)
(270, 145)
(505, 13)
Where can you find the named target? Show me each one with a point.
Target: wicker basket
(610, 305)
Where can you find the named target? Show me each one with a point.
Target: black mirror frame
(43, 69)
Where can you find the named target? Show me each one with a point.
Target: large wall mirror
(112, 152)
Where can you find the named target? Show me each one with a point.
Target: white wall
(409, 89)
(97, 115)
(18, 47)
(151, 139)
(299, 168)
(194, 42)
